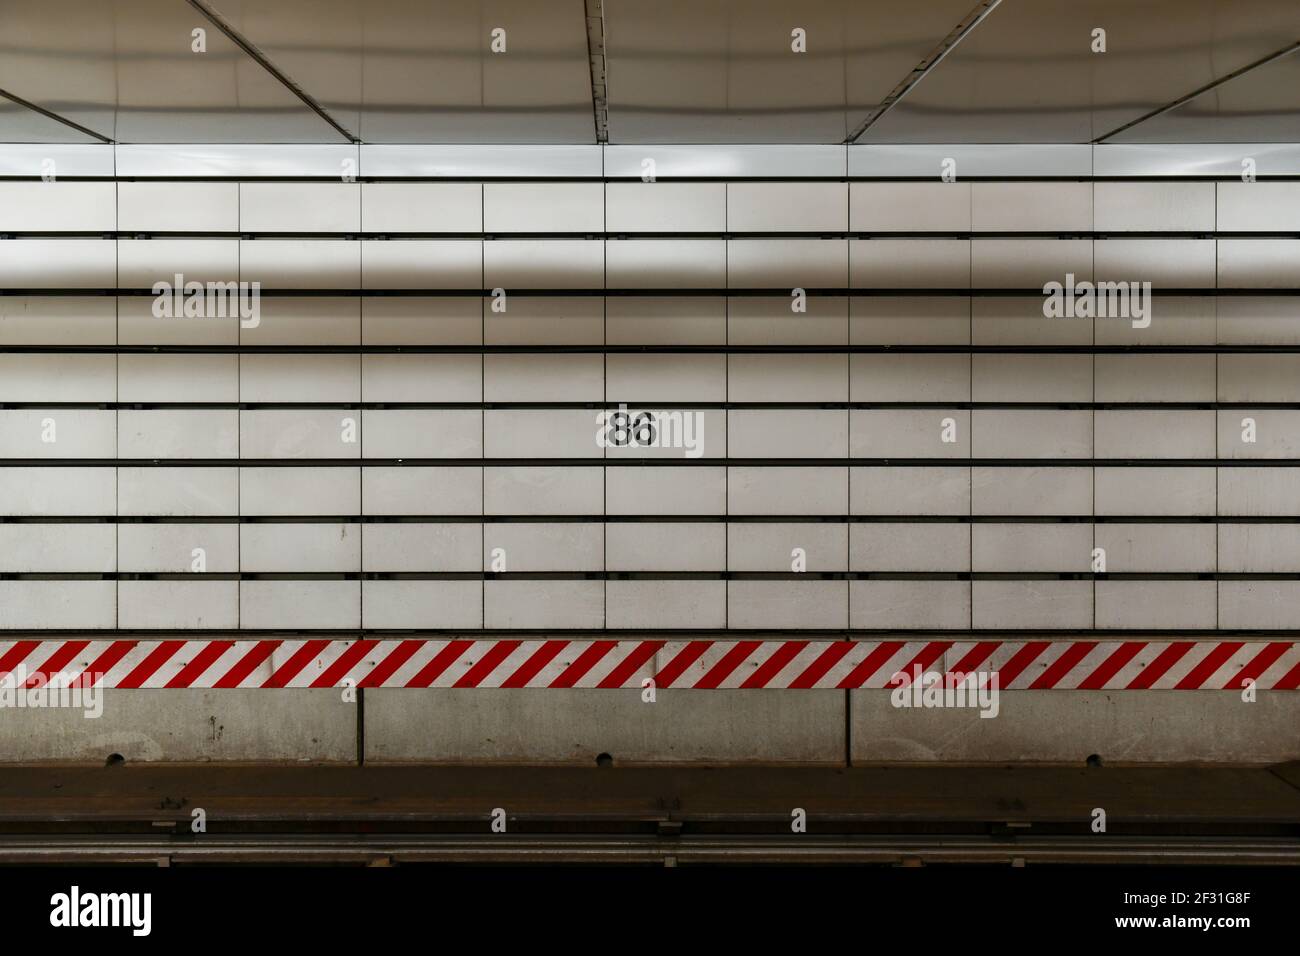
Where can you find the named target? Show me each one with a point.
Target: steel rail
(648, 850)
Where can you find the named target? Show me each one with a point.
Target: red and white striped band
(695, 664)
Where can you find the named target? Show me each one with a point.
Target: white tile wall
(823, 426)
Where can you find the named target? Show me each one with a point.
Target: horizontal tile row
(633, 489)
(673, 264)
(726, 161)
(778, 433)
(692, 321)
(343, 207)
(648, 546)
(675, 378)
(646, 604)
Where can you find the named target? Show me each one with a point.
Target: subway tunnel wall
(885, 439)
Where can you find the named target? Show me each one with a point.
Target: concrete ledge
(1067, 727)
(187, 725)
(576, 726)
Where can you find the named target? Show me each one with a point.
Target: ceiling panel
(1027, 72)
(722, 71)
(59, 55)
(315, 43)
(679, 71)
(421, 71)
(1261, 106)
(125, 69)
(18, 124)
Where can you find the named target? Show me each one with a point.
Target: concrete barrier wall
(880, 433)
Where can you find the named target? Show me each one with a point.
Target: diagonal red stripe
(64, 653)
(530, 668)
(1018, 661)
(976, 656)
(487, 664)
(251, 660)
(767, 670)
(156, 658)
(1290, 680)
(821, 665)
(585, 661)
(95, 670)
(1112, 665)
(16, 655)
(431, 671)
(344, 663)
(387, 667)
(867, 667)
(618, 675)
(1255, 667)
(729, 661)
(1166, 659)
(1076, 652)
(688, 655)
(928, 655)
(299, 659)
(204, 659)
(1202, 672)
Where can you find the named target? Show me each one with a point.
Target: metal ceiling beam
(1214, 84)
(261, 59)
(596, 57)
(930, 61)
(19, 101)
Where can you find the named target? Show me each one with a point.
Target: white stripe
(317, 665)
(801, 662)
(1279, 668)
(603, 667)
(746, 668)
(263, 671)
(858, 652)
(1082, 670)
(130, 660)
(461, 666)
(26, 663)
(512, 662)
(74, 667)
(223, 664)
(1129, 672)
(415, 663)
(557, 664)
(1183, 666)
(984, 669)
(1222, 674)
(1036, 667)
(896, 663)
(702, 664)
(173, 665)
(36, 662)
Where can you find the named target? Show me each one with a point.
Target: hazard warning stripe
(610, 664)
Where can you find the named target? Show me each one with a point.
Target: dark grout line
(650, 462)
(712, 518)
(631, 575)
(1012, 635)
(1207, 406)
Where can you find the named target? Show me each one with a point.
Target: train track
(376, 815)
(648, 850)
